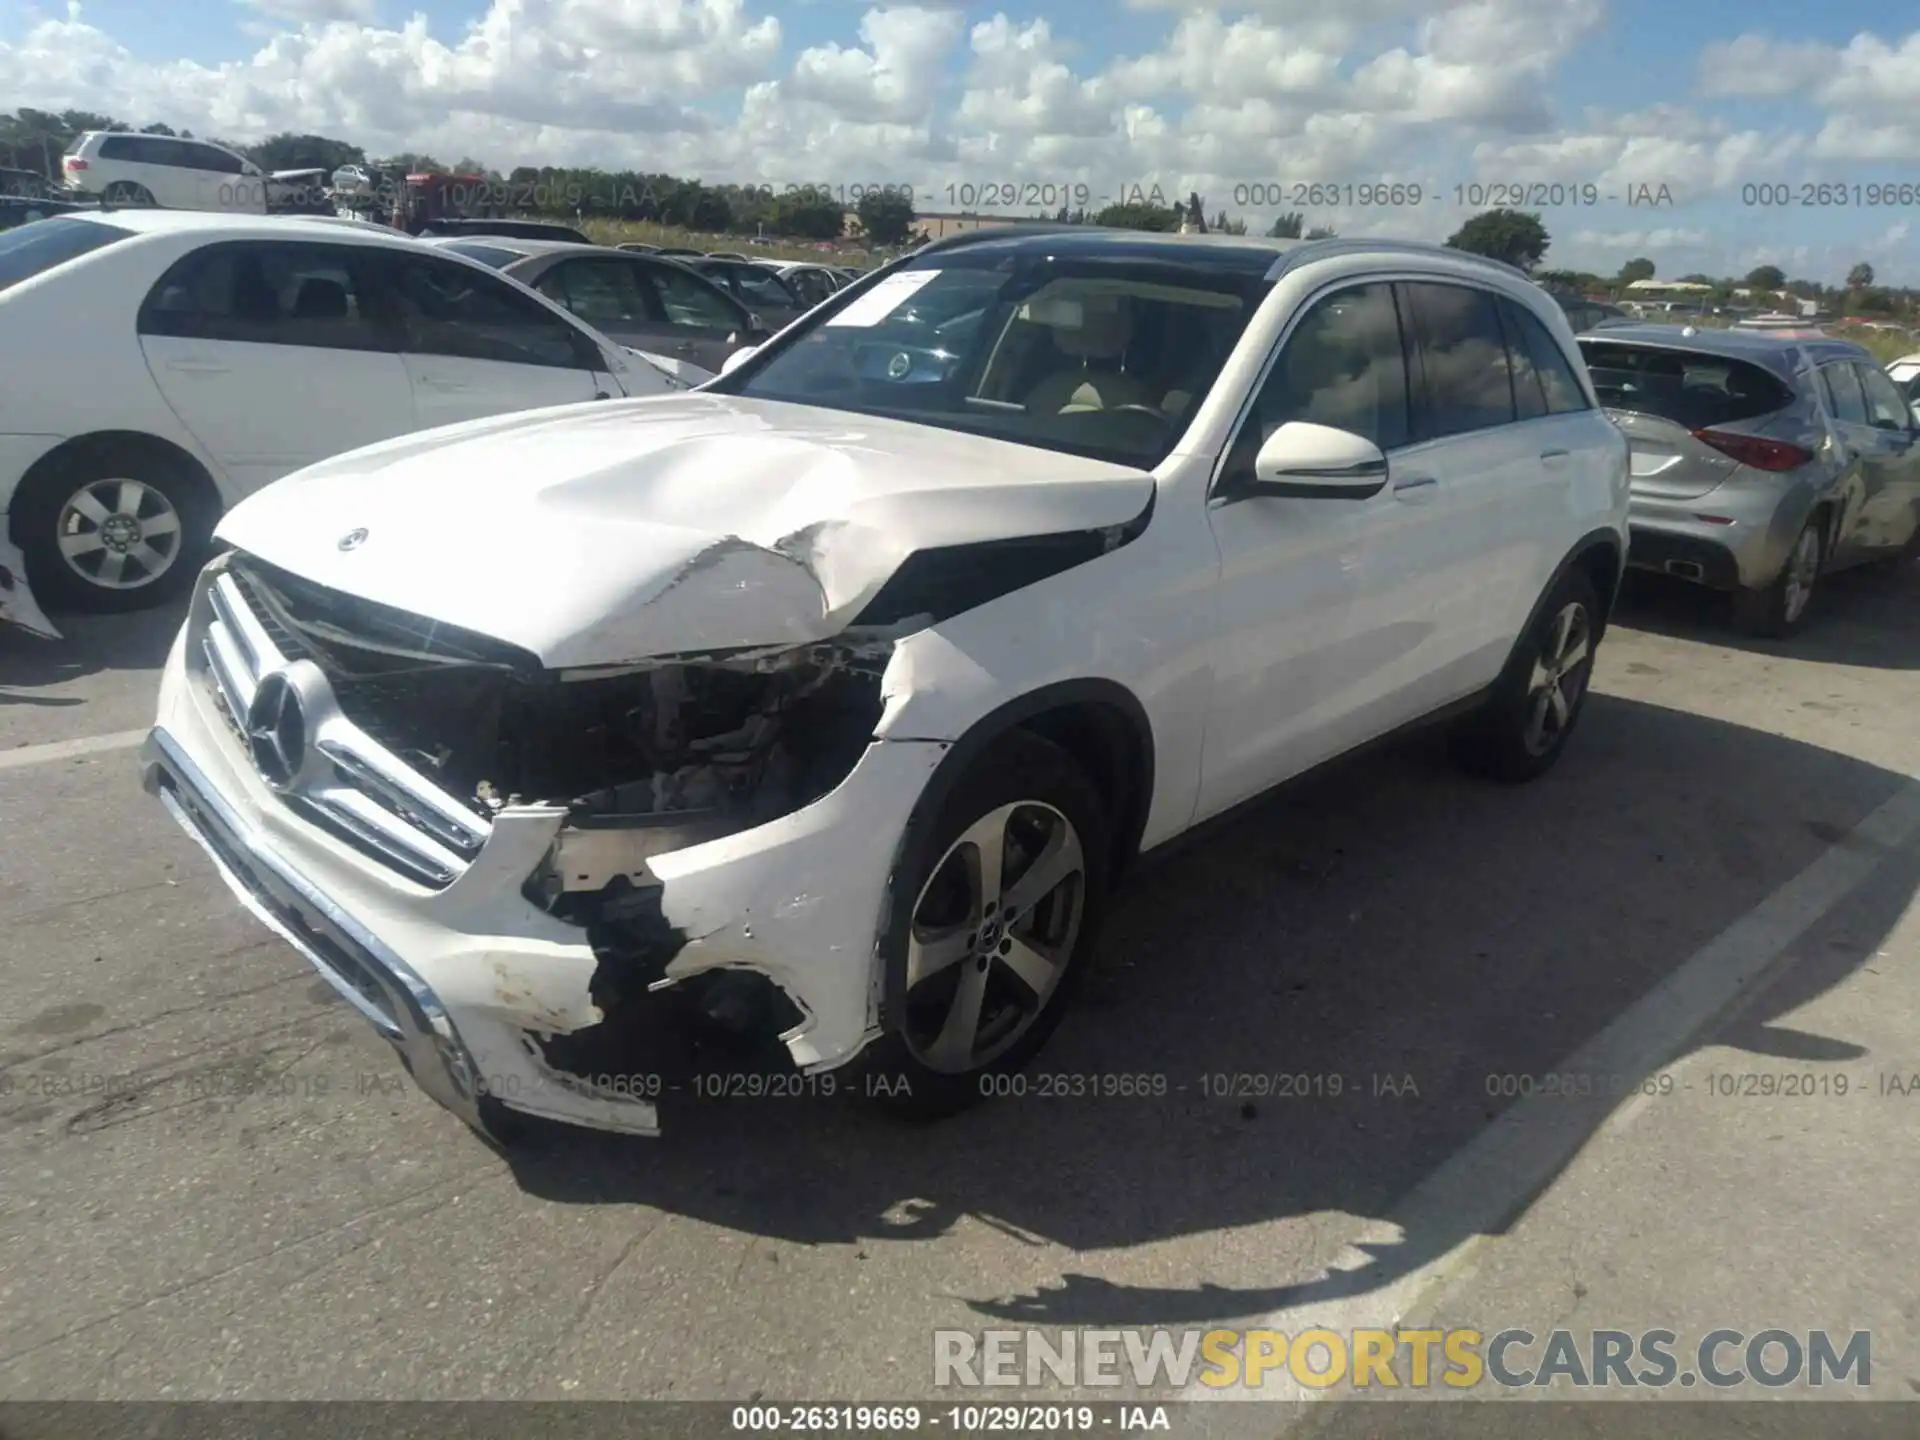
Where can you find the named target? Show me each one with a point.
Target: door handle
(1552, 457)
(198, 367)
(433, 382)
(1416, 489)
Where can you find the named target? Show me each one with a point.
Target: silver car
(1760, 462)
(1906, 374)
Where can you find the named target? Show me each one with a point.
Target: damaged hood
(599, 534)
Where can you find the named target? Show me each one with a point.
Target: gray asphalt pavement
(216, 1183)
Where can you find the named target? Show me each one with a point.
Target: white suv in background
(834, 697)
(123, 168)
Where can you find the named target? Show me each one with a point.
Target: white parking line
(1484, 1185)
(69, 749)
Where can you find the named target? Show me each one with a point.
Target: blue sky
(1705, 98)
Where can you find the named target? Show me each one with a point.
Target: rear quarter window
(1693, 389)
(40, 245)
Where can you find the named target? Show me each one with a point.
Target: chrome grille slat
(370, 797)
(381, 828)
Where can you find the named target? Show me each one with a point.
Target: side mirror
(1304, 461)
(738, 358)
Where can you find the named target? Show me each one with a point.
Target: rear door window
(600, 292)
(1539, 364)
(265, 292)
(35, 248)
(1693, 389)
(1462, 355)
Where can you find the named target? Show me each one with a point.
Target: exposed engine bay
(646, 759)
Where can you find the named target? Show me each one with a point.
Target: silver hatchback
(1760, 462)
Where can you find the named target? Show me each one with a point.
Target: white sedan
(158, 366)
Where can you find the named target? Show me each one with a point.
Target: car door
(704, 323)
(271, 355)
(475, 345)
(1858, 491)
(1892, 512)
(1561, 444)
(1318, 604)
(1478, 566)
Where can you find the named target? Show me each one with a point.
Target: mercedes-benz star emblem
(353, 539)
(277, 729)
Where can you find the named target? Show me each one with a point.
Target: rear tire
(1779, 608)
(1519, 734)
(113, 529)
(971, 996)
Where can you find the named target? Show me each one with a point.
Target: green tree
(1767, 277)
(1513, 236)
(1140, 217)
(1322, 232)
(1636, 269)
(887, 216)
(287, 151)
(1860, 276)
(1287, 227)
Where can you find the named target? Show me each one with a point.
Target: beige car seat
(1104, 331)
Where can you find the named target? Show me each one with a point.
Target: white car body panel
(246, 414)
(667, 526)
(1258, 636)
(233, 398)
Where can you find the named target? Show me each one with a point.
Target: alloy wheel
(119, 534)
(992, 933)
(1803, 569)
(1559, 678)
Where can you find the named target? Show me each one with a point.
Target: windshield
(39, 245)
(1105, 357)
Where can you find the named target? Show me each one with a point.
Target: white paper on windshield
(885, 298)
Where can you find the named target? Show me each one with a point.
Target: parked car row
(1762, 461)
(156, 366)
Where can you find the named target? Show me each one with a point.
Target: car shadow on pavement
(89, 644)
(1325, 1000)
(1864, 617)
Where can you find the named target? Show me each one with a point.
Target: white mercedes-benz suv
(835, 697)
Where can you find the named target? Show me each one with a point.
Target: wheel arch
(1602, 555)
(1100, 723)
(109, 442)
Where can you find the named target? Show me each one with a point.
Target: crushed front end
(506, 869)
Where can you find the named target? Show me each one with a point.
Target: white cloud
(302, 12)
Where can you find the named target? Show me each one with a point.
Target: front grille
(352, 783)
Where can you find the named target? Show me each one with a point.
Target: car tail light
(72, 164)
(1761, 454)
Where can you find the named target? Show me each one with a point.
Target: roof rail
(1322, 249)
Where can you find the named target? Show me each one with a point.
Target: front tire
(1780, 608)
(1526, 723)
(994, 918)
(113, 529)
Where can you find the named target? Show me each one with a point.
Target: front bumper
(17, 606)
(463, 980)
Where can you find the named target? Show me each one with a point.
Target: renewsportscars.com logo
(1456, 1359)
